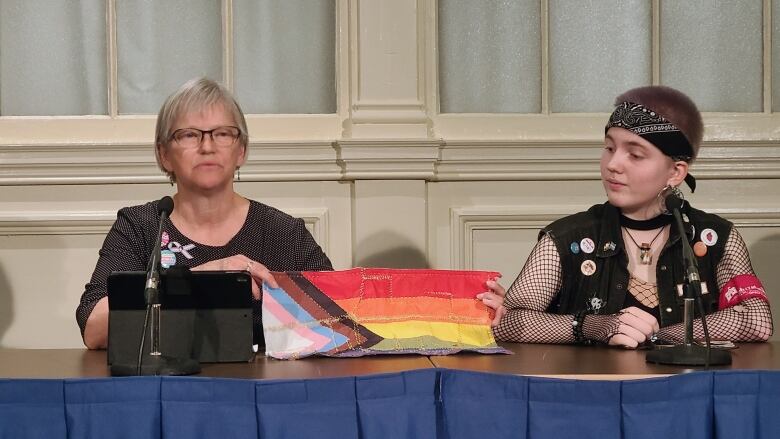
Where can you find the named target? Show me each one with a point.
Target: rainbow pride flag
(370, 311)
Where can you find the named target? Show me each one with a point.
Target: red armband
(740, 289)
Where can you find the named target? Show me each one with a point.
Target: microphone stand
(154, 363)
(689, 353)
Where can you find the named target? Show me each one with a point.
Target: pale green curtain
(489, 56)
(490, 53)
(53, 57)
(285, 55)
(161, 45)
(595, 55)
(713, 51)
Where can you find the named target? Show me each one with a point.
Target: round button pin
(167, 258)
(588, 267)
(699, 249)
(709, 237)
(587, 245)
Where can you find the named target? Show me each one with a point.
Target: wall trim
(134, 163)
(29, 223)
(316, 219)
(465, 221)
(98, 222)
(745, 219)
(352, 159)
(412, 159)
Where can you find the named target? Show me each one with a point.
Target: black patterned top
(269, 236)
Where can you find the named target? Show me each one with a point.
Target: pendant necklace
(645, 250)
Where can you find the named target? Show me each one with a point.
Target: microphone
(688, 353)
(154, 363)
(152, 292)
(673, 203)
(165, 205)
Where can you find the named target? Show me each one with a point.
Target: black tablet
(205, 315)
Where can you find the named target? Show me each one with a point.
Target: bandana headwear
(656, 129)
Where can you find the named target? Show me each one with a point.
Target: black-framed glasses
(193, 137)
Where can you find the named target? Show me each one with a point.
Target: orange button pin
(699, 249)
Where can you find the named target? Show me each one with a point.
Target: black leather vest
(604, 291)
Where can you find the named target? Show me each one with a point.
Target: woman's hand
(494, 299)
(633, 327)
(257, 270)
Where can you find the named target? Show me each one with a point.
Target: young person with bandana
(609, 274)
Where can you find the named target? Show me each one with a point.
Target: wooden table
(597, 362)
(317, 367)
(564, 361)
(79, 363)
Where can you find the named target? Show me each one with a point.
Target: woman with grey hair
(200, 143)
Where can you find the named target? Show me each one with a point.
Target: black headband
(656, 129)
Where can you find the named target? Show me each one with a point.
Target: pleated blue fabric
(425, 403)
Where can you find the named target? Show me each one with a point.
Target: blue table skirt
(432, 403)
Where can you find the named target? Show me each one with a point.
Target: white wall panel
(389, 224)
(41, 280)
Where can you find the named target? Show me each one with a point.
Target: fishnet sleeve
(527, 321)
(530, 295)
(735, 260)
(750, 320)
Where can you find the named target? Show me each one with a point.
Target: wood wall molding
(412, 159)
(352, 159)
(98, 222)
(465, 221)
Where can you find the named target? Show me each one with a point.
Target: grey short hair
(195, 95)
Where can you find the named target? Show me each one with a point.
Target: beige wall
(387, 181)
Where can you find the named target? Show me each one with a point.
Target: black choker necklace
(649, 224)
